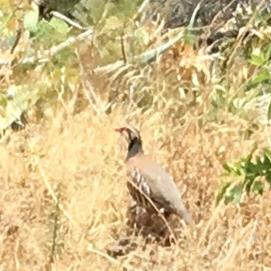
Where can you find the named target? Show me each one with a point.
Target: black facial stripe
(134, 143)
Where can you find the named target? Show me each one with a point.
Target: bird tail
(185, 215)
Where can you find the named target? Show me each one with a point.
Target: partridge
(150, 185)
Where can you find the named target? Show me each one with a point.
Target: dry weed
(63, 196)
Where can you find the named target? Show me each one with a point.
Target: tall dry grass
(63, 195)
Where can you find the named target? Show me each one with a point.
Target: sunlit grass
(79, 159)
(62, 178)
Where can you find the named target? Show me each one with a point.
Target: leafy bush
(249, 175)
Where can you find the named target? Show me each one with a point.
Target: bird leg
(137, 216)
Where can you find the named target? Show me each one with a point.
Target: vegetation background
(198, 90)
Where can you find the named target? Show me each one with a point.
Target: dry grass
(77, 161)
(62, 181)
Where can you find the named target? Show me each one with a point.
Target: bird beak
(120, 130)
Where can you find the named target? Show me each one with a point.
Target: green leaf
(112, 23)
(31, 19)
(248, 184)
(142, 35)
(221, 193)
(262, 76)
(227, 167)
(266, 165)
(258, 59)
(19, 98)
(51, 32)
(233, 169)
(234, 194)
(59, 26)
(3, 100)
(268, 177)
(257, 187)
(269, 111)
(267, 155)
(251, 168)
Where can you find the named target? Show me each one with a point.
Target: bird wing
(161, 184)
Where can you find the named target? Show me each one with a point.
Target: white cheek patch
(127, 137)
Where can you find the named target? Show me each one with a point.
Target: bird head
(133, 138)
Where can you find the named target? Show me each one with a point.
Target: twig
(102, 254)
(16, 42)
(210, 222)
(141, 9)
(109, 67)
(51, 192)
(123, 49)
(52, 52)
(224, 9)
(106, 256)
(240, 38)
(88, 89)
(69, 42)
(55, 228)
(67, 20)
(143, 58)
(194, 15)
